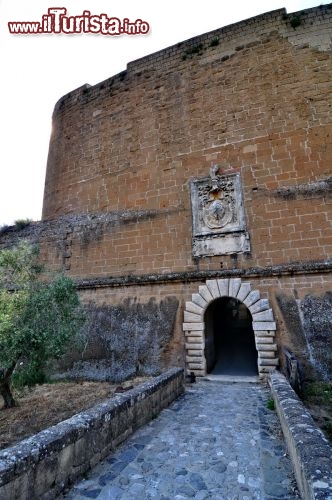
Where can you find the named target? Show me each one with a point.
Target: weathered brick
(123, 152)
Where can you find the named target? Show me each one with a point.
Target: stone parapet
(310, 452)
(43, 465)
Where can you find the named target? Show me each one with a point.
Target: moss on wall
(309, 326)
(121, 341)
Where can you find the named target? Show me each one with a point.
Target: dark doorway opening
(229, 338)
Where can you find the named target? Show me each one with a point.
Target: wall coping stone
(253, 27)
(292, 269)
(308, 448)
(100, 429)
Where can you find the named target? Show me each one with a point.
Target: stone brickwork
(269, 287)
(263, 322)
(257, 103)
(253, 99)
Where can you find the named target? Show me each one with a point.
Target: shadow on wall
(121, 341)
(309, 325)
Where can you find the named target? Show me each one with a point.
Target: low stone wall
(41, 466)
(310, 452)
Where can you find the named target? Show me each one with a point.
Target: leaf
(37, 318)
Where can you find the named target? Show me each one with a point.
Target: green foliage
(28, 374)
(327, 428)
(295, 21)
(5, 229)
(196, 49)
(19, 266)
(22, 223)
(18, 225)
(318, 394)
(48, 320)
(37, 317)
(270, 404)
(214, 42)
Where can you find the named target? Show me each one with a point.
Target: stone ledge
(43, 465)
(309, 450)
(292, 269)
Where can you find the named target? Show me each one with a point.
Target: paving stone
(218, 441)
(197, 481)
(91, 493)
(111, 492)
(106, 478)
(185, 489)
(118, 466)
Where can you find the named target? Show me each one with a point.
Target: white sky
(36, 70)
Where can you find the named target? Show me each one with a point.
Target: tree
(38, 317)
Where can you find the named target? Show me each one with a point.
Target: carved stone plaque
(218, 215)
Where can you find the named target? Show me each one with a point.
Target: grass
(214, 42)
(318, 392)
(18, 225)
(317, 396)
(42, 406)
(22, 223)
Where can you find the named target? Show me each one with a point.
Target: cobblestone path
(219, 441)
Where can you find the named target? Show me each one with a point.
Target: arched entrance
(229, 338)
(198, 320)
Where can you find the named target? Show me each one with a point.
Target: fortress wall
(254, 98)
(258, 103)
(288, 297)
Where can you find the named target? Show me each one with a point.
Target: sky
(36, 70)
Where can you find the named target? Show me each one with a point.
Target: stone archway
(263, 323)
